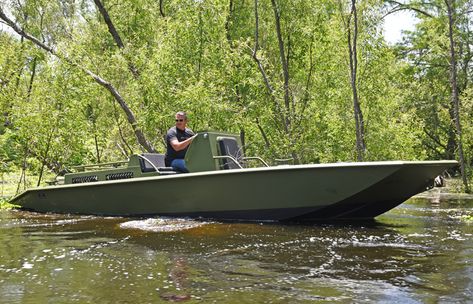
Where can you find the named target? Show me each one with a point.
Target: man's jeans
(179, 165)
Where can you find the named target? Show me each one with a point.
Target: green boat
(223, 184)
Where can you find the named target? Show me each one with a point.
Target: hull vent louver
(84, 179)
(121, 175)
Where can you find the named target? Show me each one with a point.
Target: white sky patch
(397, 22)
(3, 26)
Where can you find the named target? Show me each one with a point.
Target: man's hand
(178, 146)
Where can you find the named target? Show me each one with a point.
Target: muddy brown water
(420, 252)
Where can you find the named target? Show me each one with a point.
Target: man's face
(181, 122)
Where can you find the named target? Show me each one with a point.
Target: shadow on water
(418, 252)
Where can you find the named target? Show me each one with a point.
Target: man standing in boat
(178, 139)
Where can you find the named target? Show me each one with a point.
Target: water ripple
(163, 224)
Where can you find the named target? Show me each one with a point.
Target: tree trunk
(116, 37)
(454, 97)
(97, 150)
(288, 110)
(285, 68)
(23, 171)
(352, 48)
(255, 53)
(33, 73)
(263, 134)
(108, 21)
(306, 97)
(45, 155)
(201, 43)
(161, 8)
(269, 87)
(227, 21)
(120, 131)
(243, 140)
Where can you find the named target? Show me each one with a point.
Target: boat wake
(163, 224)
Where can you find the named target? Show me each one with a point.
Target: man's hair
(182, 113)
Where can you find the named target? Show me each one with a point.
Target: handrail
(257, 158)
(152, 165)
(83, 167)
(229, 157)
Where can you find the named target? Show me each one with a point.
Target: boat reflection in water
(221, 186)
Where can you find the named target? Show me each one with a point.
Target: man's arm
(178, 146)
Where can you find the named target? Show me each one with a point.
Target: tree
(441, 36)
(352, 39)
(99, 80)
(455, 99)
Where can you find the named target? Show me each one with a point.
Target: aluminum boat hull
(281, 193)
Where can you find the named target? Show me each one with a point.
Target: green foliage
(198, 57)
(5, 205)
(467, 218)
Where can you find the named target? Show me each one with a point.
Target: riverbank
(452, 191)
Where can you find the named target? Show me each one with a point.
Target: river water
(420, 252)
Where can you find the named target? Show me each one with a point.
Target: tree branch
(22, 33)
(255, 51)
(434, 138)
(265, 138)
(128, 112)
(227, 22)
(108, 21)
(306, 97)
(161, 9)
(403, 7)
(287, 121)
(262, 71)
(116, 37)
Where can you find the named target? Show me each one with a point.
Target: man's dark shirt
(181, 135)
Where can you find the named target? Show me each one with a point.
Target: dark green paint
(302, 192)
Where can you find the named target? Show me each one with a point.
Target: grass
(5, 205)
(9, 183)
(467, 218)
(9, 186)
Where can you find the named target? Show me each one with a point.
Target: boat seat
(158, 162)
(229, 147)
